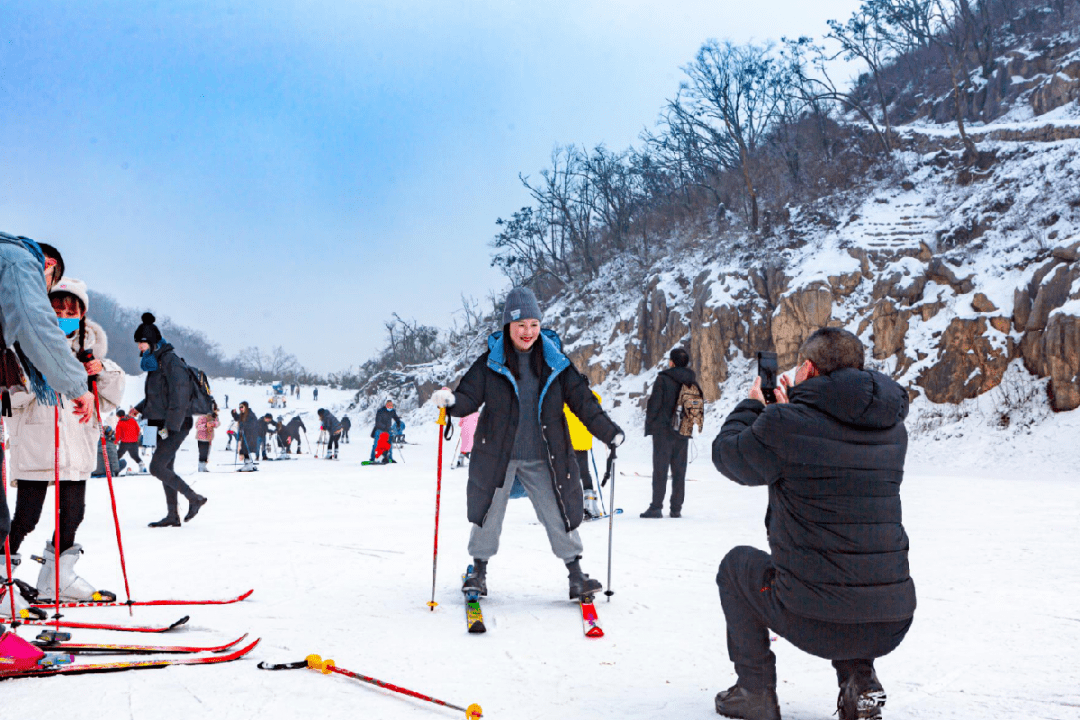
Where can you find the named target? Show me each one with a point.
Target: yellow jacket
(580, 438)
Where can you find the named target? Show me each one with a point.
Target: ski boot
(476, 581)
(581, 585)
(72, 587)
(142, 468)
(861, 698)
(203, 468)
(248, 466)
(592, 509)
(737, 702)
(23, 594)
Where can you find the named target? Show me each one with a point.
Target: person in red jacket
(127, 438)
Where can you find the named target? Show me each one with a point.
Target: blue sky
(291, 173)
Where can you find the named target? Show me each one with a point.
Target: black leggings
(30, 501)
(131, 449)
(582, 457)
(204, 450)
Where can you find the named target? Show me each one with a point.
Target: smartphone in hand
(767, 370)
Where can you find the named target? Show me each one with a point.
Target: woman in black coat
(520, 386)
(167, 406)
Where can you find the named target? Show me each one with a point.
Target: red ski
(589, 619)
(140, 603)
(114, 649)
(76, 669)
(107, 626)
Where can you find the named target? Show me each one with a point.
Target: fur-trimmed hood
(97, 341)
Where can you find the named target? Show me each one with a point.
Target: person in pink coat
(468, 429)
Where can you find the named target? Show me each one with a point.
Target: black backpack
(202, 400)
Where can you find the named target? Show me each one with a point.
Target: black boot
(476, 579)
(737, 702)
(193, 507)
(861, 698)
(170, 520)
(581, 585)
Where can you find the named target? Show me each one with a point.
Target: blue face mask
(69, 326)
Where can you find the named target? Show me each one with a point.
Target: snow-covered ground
(340, 559)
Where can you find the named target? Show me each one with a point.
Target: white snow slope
(340, 559)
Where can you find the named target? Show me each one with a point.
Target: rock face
(1060, 360)
(721, 331)
(800, 313)
(968, 363)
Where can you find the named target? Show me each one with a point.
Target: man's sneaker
(476, 580)
(736, 702)
(860, 700)
(652, 513)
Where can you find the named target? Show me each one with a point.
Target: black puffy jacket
(489, 386)
(833, 459)
(384, 421)
(660, 412)
(329, 422)
(168, 391)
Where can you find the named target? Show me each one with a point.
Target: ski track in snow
(340, 558)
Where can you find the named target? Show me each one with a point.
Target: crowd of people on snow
(829, 444)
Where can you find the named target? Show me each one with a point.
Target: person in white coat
(33, 447)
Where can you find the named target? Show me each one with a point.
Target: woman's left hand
(94, 367)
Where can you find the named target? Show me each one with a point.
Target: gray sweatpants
(536, 478)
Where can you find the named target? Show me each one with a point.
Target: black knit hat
(148, 332)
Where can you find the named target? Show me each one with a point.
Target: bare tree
(731, 101)
(865, 37)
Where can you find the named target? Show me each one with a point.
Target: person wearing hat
(385, 419)
(167, 406)
(520, 386)
(35, 460)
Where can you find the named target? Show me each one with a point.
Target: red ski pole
(56, 529)
(438, 497)
(112, 496)
(473, 712)
(7, 543)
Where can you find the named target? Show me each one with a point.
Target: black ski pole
(610, 474)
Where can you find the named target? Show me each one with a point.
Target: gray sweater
(528, 442)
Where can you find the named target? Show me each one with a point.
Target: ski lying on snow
(117, 603)
(109, 648)
(589, 620)
(76, 669)
(108, 626)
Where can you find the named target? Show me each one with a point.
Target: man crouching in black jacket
(831, 449)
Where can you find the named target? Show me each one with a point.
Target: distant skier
(467, 428)
(247, 434)
(291, 431)
(266, 426)
(166, 406)
(333, 432)
(346, 425)
(127, 438)
(519, 386)
(385, 419)
(315, 394)
(204, 434)
(231, 433)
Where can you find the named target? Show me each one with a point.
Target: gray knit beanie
(520, 304)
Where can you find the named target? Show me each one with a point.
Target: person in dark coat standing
(167, 406)
(520, 386)
(831, 451)
(669, 447)
(385, 419)
(248, 427)
(333, 432)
